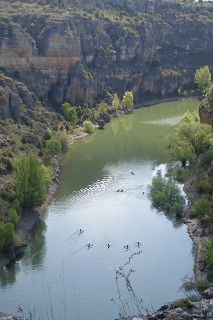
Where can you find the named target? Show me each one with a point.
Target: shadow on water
(37, 246)
(33, 257)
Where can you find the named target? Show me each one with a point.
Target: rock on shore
(184, 309)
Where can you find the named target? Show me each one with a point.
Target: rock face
(80, 51)
(183, 310)
(13, 97)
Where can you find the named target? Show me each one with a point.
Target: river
(59, 277)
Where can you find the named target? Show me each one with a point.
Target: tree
(128, 100)
(190, 139)
(53, 146)
(102, 107)
(88, 126)
(69, 113)
(115, 102)
(202, 79)
(29, 181)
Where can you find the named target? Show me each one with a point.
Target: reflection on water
(59, 274)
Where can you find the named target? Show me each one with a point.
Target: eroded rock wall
(80, 54)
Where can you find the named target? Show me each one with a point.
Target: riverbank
(29, 221)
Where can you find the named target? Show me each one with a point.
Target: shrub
(209, 251)
(69, 113)
(29, 181)
(7, 235)
(88, 126)
(206, 158)
(204, 186)
(53, 146)
(13, 217)
(201, 208)
(64, 142)
(48, 134)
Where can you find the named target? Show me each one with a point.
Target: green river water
(59, 277)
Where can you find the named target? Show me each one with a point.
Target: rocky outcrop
(14, 96)
(80, 51)
(184, 310)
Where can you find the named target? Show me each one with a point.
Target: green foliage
(209, 251)
(128, 100)
(13, 217)
(115, 102)
(102, 107)
(48, 174)
(190, 139)
(53, 146)
(201, 208)
(64, 142)
(178, 173)
(29, 181)
(69, 113)
(210, 95)
(202, 79)
(206, 158)
(7, 235)
(166, 196)
(48, 134)
(88, 126)
(203, 186)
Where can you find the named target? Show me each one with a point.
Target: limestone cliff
(79, 51)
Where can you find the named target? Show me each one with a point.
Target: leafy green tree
(102, 107)
(69, 113)
(13, 216)
(115, 102)
(128, 100)
(190, 139)
(29, 181)
(53, 146)
(88, 126)
(203, 79)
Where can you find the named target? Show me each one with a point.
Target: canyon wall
(80, 51)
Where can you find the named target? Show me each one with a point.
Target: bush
(201, 208)
(48, 134)
(178, 173)
(13, 217)
(53, 146)
(166, 196)
(206, 158)
(88, 126)
(69, 113)
(209, 251)
(204, 186)
(7, 235)
(64, 142)
(29, 181)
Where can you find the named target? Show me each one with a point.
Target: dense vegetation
(191, 153)
(166, 196)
